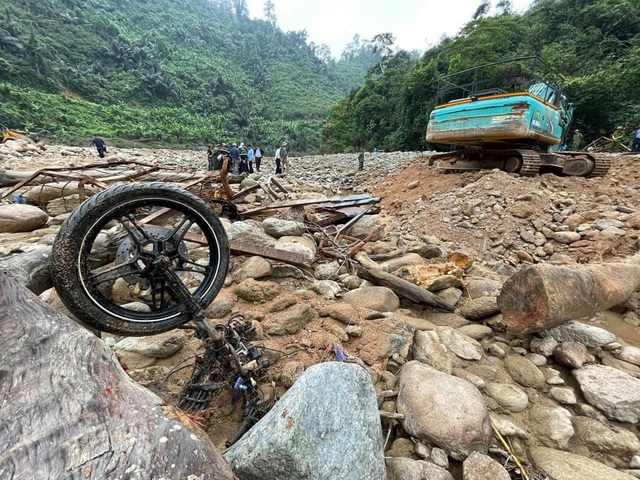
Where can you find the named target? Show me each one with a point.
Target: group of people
(244, 158)
(617, 137)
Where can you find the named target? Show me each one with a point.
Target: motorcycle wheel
(103, 252)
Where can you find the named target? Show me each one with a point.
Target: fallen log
(543, 296)
(68, 410)
(404, 288)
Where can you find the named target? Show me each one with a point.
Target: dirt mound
(499, 214)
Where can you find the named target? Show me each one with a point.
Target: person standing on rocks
(100, 145)
(250, 157)
(235, 159)
(210, 157)
(278, 161)
(258, 155)
(284, 155)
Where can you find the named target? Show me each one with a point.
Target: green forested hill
(170, 71)
(593, 44)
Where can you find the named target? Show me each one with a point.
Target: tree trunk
(68, 410)
(544, 296)
(404, 288)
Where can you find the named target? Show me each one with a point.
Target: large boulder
(524, 371)
(248, 232)
(43, 194)
(326, 426)
(74, 413)
(253, 267)
(365, 226)
(588, 335)
(21, 218)
(551, 425)
(427, 397)
(618, 442)
(278, 227)
(380, 299)
(615, 393)
(568, 466)
(462, 345)
(303, 245)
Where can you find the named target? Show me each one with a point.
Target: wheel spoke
(199, 268)
(182, 229)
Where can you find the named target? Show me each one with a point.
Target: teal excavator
(520, 130)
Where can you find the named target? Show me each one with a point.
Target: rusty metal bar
(241, 248)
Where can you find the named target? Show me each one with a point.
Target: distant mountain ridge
(167, 71)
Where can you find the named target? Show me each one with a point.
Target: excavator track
(602, 165)
(530, 163)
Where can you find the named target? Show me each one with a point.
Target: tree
(382, 44)
(270, 12)
(482, 9)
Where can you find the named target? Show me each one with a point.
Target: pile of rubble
(424, 391)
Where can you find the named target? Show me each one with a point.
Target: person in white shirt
(278, 161)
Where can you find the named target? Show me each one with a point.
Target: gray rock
(249, 232)
(427, 397)
(380, 299)
(21, 218)
(524, 372)
(289, 321)
(451, 295)
(304, 245)
(601, 438)
(428, 349)
(588, 335)
(365, 226)
(572, 354)
(507, 427)
(607, 223)
(327, 288)
(253, 267)
(439, 457)
(566, 237)
(479, 308)
(537, 359)
(477, 288)
(327, 271)
(400, 468)
(257, 291)
(277, 227)
(551, 425)
(156, 346)
(508, 396)
(219, 308)
(615, 393)
(568, 466)
(303, 435)
(564, 395)
(463, 346)
(64, 205)
(630, 354)
(482, 467)
(403, 261)
(476, 331)
(543, 346)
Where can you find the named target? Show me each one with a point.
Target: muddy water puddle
(612, 321)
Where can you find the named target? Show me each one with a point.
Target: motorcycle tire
(86, 284)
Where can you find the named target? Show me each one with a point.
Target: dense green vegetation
(593, 44)
(167, 71)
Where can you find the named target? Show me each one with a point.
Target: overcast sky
(416, 24)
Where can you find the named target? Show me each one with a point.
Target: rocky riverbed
(431, 395)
